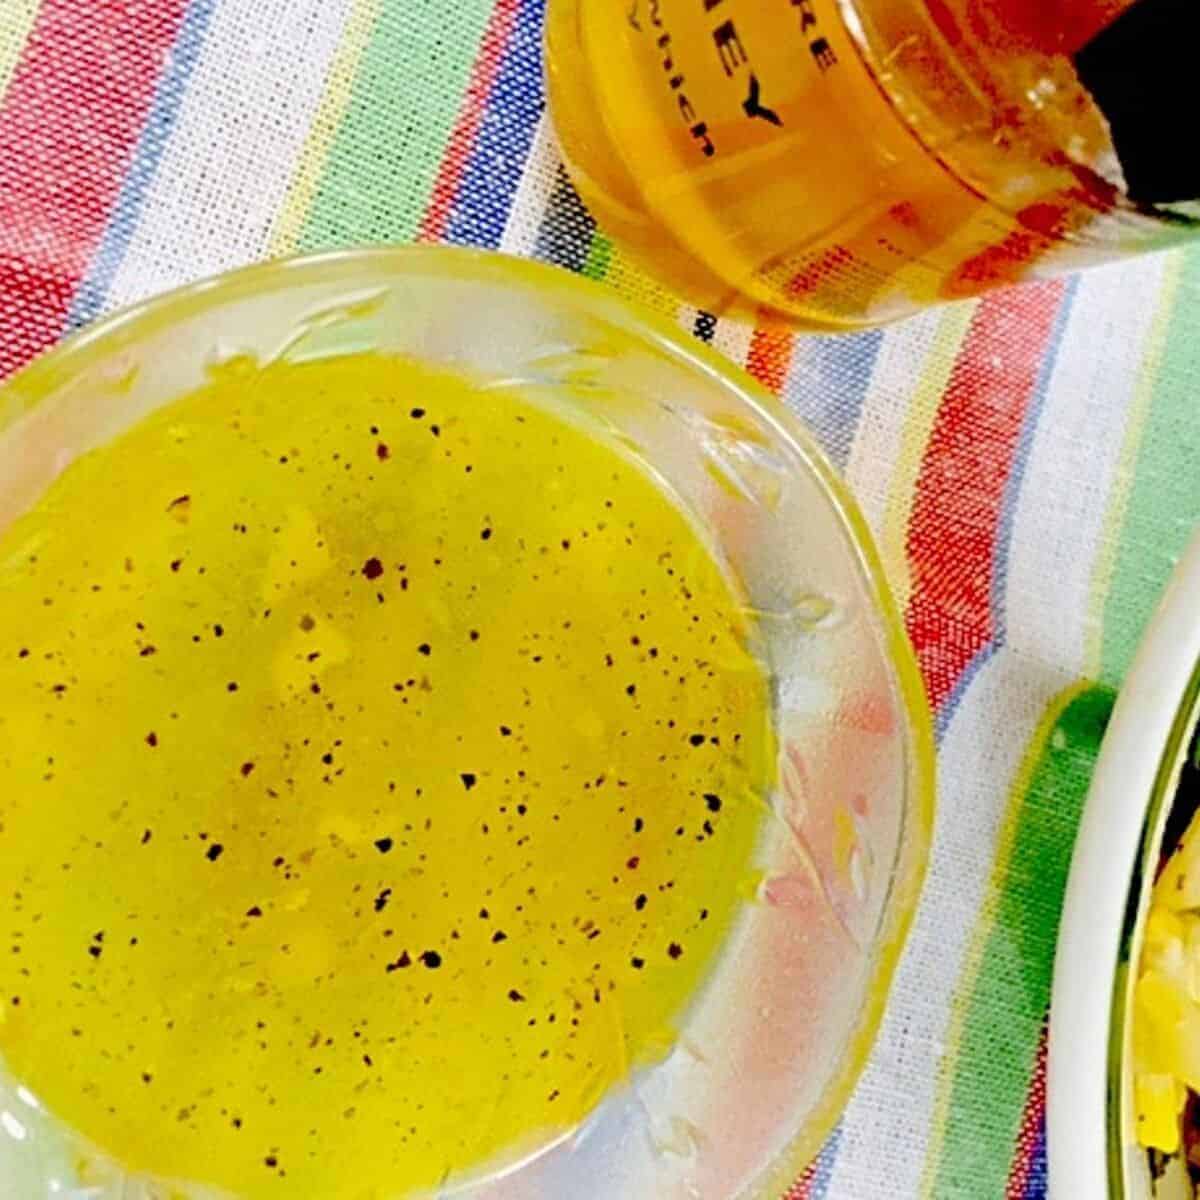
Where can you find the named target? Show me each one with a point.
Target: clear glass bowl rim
(90, 347)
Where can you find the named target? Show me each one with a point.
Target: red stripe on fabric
(69, 124)
(953, 529)
(1030, 1132)
(462, 139)
(802, 1188)
(769, 355)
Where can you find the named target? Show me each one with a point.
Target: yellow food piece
(1163, 948)
(381, 763)
(1166, 1001)
(1159, 1100)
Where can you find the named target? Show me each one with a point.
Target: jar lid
(1141, 71)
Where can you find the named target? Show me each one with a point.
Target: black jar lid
(1143, 72)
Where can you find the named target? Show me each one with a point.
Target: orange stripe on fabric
(769, 356)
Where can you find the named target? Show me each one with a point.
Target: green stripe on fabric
(1006, 1009)
(599, 257)
(1164, 502)
(390, 143)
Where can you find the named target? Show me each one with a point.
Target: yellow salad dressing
(381, 763)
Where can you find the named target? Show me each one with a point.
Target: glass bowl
(770, 1049)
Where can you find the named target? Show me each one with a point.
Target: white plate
(1093, 1154)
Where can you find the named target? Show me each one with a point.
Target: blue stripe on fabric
(945, 714)
(567, 229)
(1016, 478)
(828, 384)
(1037, 1185)
(705, 326)
(503, 140)
(822, 1174)
(168, 96)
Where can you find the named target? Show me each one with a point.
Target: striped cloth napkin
(1029, 464)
